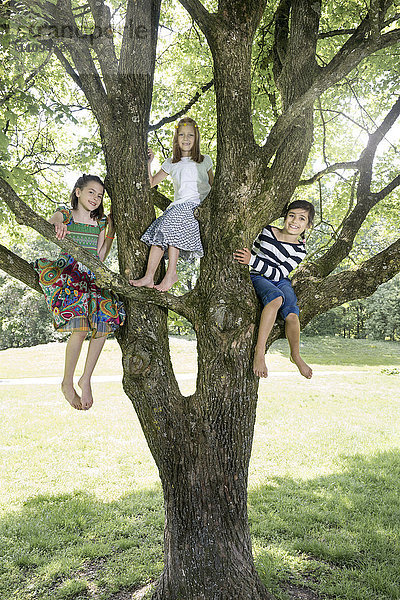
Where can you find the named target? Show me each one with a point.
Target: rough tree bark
(202, 443)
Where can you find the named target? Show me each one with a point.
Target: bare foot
(259, 365)
(70, 394)
(87, 398)
(167, 283)
(302, 366)
(142, 282)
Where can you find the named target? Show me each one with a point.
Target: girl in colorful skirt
(76, 303)
(177, 231)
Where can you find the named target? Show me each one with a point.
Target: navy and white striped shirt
(272, 258)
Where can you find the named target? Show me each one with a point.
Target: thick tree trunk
(207, 542)
(201, 445)
(204, 475)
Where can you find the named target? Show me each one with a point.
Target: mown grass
(81, 506)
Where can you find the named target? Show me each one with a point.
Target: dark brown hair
(195, 152)
(82, 182)
(305, 205)
(300, 204)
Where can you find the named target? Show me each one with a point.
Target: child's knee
(292, 317)
(276, 303)
(79, 335)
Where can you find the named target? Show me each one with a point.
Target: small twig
(184, 110)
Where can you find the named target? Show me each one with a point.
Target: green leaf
(4, 141)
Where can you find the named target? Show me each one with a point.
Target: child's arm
(58, 221)
(210, 176)
(158, 177)
(105, 239)
(243, 256)
(257, 262)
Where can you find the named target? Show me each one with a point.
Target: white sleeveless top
(190, 178)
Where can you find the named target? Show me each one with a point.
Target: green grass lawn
(81, 506)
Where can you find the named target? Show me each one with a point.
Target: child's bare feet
(302, 366)
(87, 398)
(142, 282)
(70, 394)
(167, 283)
(259, 365)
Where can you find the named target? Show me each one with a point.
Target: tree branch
(281, 36)
(335, 32)
(159, 199)
(366, 200)
(327, 34)
(388, 189)
(367, 156)
(103, 43)
(317, 296)
(138, 50)
(199, 14)
(19, 268)
(184, 110)
(67, 66)
(29, 79)
(344, 62)
(331, 169)
(60, 17)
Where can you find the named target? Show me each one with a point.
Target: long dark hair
(82, 182)
(195, 151)
(305, 205)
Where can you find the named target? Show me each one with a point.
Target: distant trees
(376, 317)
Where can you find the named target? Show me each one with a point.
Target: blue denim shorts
(268, 290)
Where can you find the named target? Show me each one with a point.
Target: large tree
(202, 443)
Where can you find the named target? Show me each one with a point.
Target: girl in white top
(177, 231)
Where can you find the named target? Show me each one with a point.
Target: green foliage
(24, 317)
(376, 317)
(45, 129)
(184, 65)
(383, 312)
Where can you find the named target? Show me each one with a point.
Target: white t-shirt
(190, 178)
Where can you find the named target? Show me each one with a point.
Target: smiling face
(186, 139)
(296, 222)
(90, 197)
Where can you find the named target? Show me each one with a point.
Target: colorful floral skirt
(76, 303)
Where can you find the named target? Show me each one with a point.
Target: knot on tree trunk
(138, 363)
(227, 317)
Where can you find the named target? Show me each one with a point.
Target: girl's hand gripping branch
(243, 256)
(61, 230)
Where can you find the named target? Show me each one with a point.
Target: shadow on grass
(335, 537)
(75, 546)
(338, 535)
